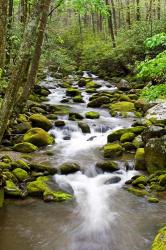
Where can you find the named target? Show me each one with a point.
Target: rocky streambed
(94, 145)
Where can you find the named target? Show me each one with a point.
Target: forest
(82, 124)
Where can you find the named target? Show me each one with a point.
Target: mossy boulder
(112, 150)
(127, 137)
(155, 154)
(84, 127)
(25, 147)
(162, 180)
(22, 128)
(59, 123)
(21, 174)
(75, 116)
(12, 189)
(59, 196)
(38, 137)
(138, 142)
(108, 166)
(116, 135)
(40, 121)
(140, 159)
(157, 114)
(47, 169)
(4, 165)
(98, 102)
(78, 99)
(68, 168)
(22, 164)
(92, 115)
(92, 85)
(153, 199)
(121, 107)
(140, 180)
(73, 92)
(159, 241)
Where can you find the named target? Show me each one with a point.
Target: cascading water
(103, 216)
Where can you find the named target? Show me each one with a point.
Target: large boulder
(40, 121)
(157, 114)
(73, 92)
(92, 115)
(25, 147)
(152, 132)
(107, 166)
(155, 154)
(123, 85)
(38, 137)
(98, 102)
(113, 150)
(121, 107)
(84, 127)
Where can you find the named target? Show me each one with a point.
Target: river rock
(113, 150)
(92, 115)
(157, 114)
(113, 180)
(25, 147)
(12, 189)
(123, 85)
(38, 137)
(159, 241)
(155, 154)
(43, 168)
(127, 137)
(121, 107)
(152, 132)
(75, 116)
(98, 102)
(59, 123)
(107, 166)
(84, 127)
(21, 174)
(40, 121)
(69, 167)
(73, 92)
(140, 159)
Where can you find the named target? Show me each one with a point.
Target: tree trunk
(110, 24)
(37, 53)
(138, 14)
(114, 16)
(3, 22)
(159, 9)
(9, 26)
(128, 17)
(18, 69)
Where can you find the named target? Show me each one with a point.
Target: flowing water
(102, 216)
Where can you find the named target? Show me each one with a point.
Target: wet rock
(153, 200)
(155, 154)
(127, 137)
(157, 114)
(121, 107)
(140, 159)
(128, 146)
(84, 127)
(21, 174)
(98, 102)
(59, 123)
(159, 241)
(108, 166)
(11, 189)
(123, 85)
(43, 168)
(25, 147)
(92, 85)
(40, 121)
(73, 92)
(22, 128)
(140, 180)
(137, 142)
(75, 116)
(68, 168)
(20, 164)
(112, 150)
(162, 180)
(152, 132)
(78, 99)
(38, 137)
(113, 180)
(91, 138)
(38, 110)
(92, 115)
(137, 192)
(82, 82)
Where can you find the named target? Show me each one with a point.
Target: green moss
(11, 189)
(56, 196)
(38, 137)
(4, 165)
(6, 158)
(136, 191)
(140, 180)
(159, 241)
(40, 121)
(73, 92)
(25, 147)
(1, 197)
(153, 200)
(157, 187)
(108, 166)
(137, 142)
(22, 164)
(118, 133)
(67, 168)
(98, 102)
(78, 99)
(20, 174)
(162, 180)
(140, 153)
(92, 85)
(22, 118)
(127, 137)
(122, 107)
(43, 168)
(92, 115)
(112, 150)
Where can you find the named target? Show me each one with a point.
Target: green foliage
(156, 41)
(154, 92)
(154, 69)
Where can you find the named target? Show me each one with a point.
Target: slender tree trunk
(3, 22)
(114, 16)
(159, 9)
(18, 69)
(37, 53)
(138, 14)
(9, 27)
(24, 11)
(128, 16)
(110, 24)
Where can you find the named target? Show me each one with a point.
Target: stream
(102, 216)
